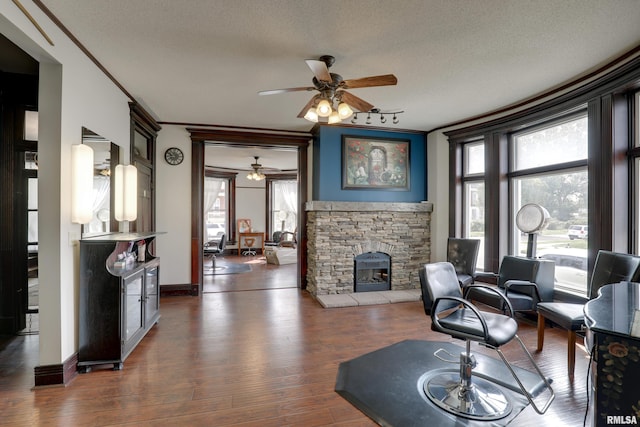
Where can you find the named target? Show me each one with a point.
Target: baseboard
(62, 374)
(175, 290)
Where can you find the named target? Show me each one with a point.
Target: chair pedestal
(462, 395)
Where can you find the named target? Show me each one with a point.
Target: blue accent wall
(327, 167)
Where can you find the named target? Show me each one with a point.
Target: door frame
(272, 139)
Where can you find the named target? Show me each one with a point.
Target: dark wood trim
(197, 205)
(200, 137)
(235, 138)
(175, 290)
(143, 118)
(61, 374)
(455, 189)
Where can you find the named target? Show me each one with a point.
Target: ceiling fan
(256, 174)
(333, 103)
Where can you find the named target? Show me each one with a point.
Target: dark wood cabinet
(615, 345)
(118, 304)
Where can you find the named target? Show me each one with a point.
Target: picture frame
(375, 163)
(244, 225)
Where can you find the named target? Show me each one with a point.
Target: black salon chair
(215, 247)
(461, 393)
(524, 281)
(610, 267)
(463, 254)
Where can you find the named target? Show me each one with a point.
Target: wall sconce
(81, 183)
(126, 193)
(30, 125)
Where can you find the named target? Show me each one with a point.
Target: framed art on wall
(375, 163)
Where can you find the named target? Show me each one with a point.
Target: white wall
(173, 207)
(250, 201)
(73, 93)
(438, 193)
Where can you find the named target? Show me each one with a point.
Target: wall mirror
(106, 155)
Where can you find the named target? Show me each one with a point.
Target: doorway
(200, 138)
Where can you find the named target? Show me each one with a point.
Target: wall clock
(174, 156)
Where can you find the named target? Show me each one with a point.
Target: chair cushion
(566, 315)
(463, 323)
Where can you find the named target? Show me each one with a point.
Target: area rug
(226, 269)
(387, 385)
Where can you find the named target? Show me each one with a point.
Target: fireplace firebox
(372, 272)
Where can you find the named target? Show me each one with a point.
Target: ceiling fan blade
(306, 107)
(383, 80)
(290, 89)
(319, 69)
(355, 102)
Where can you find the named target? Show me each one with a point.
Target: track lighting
(325, 112)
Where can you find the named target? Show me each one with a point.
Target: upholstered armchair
(524, 282)
(609, 267)
(463, 255)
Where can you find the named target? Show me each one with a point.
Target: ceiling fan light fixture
(324, 108)
(334, 117)
(344, 110)
(311, 115)
(255, 176)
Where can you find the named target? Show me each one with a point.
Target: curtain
(99, 200)
(212, 188)
(287, 194)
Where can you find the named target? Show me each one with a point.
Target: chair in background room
(287, 239)
(609, 267)
(463, 254)
(524, 281)
(456, 391)
(215, 247)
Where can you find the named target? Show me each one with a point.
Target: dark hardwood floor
(264, 357)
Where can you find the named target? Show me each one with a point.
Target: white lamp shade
(324, 108)
(311, 115)
(126, 197)
(81, 183)
(334, 118)
(344, 111)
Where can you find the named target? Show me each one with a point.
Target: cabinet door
(132, 321)
(152, 296)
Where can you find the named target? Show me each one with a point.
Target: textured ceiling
(204, 61)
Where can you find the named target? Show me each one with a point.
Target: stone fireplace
(337, 232)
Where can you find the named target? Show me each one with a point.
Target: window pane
(560, 143)
(564, 241)
(215, 206)
(474, 158)
(140, 145)
(285, 205)
(474, 215)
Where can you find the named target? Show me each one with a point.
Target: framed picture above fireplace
(375, 163)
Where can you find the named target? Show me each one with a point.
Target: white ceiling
(204, 61)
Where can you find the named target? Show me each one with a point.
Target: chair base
(483, 400)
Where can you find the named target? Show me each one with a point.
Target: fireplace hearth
(372, 272)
